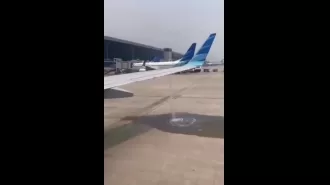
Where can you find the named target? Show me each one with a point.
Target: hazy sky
(167, 23)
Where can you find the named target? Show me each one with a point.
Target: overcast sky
(167, 23)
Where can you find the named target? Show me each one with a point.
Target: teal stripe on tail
(200, 57)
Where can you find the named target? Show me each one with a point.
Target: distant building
(167, 54)
(127, 50)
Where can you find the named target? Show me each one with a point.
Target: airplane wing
(119, 80)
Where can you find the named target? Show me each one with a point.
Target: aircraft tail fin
(189, 54)
(202, 53)
(156, 59)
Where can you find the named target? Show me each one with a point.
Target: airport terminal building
(127, 50)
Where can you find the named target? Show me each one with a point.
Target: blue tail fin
(202, 53)
(189, 54)
(156, 59)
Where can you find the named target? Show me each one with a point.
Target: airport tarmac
(141, 147)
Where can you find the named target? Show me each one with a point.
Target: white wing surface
(119, 80)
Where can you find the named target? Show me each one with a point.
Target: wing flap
(116, 93)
